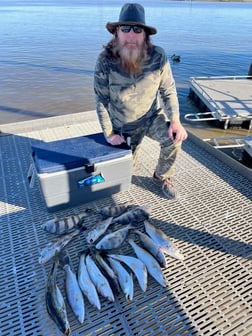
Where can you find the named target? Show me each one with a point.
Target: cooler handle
(31, 175)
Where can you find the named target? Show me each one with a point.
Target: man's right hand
(116, 140)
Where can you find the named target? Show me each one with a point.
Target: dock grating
(210, 293)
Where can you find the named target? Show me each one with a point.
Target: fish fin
(80, 224)
(85, 252)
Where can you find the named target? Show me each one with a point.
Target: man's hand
(116, 139)
(177, 132)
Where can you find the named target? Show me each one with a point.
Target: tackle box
(80, 170)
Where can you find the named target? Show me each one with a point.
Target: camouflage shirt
(124, 100)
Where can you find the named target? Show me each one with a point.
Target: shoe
(167, 186)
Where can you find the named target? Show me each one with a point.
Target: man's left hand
(177, 132)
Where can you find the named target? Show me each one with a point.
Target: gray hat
(131, 14)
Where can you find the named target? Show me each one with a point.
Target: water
(49, 48)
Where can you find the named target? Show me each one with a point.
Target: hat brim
(111, 27)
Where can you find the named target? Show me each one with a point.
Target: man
(131, 75)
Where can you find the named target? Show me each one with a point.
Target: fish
(152, 247)
(137, 214)
(137, 266)
(150, 262)
(73, 291)
(57, 245)
(55, 303)
(124, 277)
(114, 239)
(85, 283)
(64, 225)
(98, 230)
(108, 272)
(113, 210)
(166, 245)
(98, 279)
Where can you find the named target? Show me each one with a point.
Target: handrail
(237, 141)
(222, 77)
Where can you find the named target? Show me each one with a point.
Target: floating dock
(209, 293)
(226, 99)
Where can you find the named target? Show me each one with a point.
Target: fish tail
(64, 259)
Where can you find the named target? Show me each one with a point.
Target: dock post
(250, 71)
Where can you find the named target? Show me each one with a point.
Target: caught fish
(113, 210)
(137, 214)
(150, 262)
(99, 230)
(86, 285)
(114, 239)
(55, 304)
(73, 291)
(137, 266)
(166, 245)
(109, 273)
(152, 247)
(57, 245)
(125, 279)
(64, 225)
(98, 279)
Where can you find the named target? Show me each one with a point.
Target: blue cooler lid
(50, 157)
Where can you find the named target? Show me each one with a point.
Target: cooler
(79, 170)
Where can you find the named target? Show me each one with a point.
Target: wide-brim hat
(131, 14)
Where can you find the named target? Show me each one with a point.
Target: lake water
(49, 48)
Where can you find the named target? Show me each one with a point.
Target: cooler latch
(90, 168)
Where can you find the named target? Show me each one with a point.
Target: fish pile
(102, 270)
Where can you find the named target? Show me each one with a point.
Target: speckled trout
(55, 302)
(86, 285)
(124, 277)
(73, 291)
(152, 247)
(167, 246)
(150, 262)
(137, 266)
(99, 280)
(57, 245)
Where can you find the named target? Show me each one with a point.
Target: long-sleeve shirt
(124, 100)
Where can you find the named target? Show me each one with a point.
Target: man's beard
(132, 59)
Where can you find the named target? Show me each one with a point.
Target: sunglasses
(127, 29)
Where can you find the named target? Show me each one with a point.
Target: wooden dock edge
(232, 163)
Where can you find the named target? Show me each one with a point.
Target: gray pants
(157, 130)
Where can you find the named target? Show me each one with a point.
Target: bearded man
(131, 77)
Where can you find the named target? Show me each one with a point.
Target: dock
(225, 99)
(209, 293)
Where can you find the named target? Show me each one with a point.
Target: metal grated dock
(210, 293)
